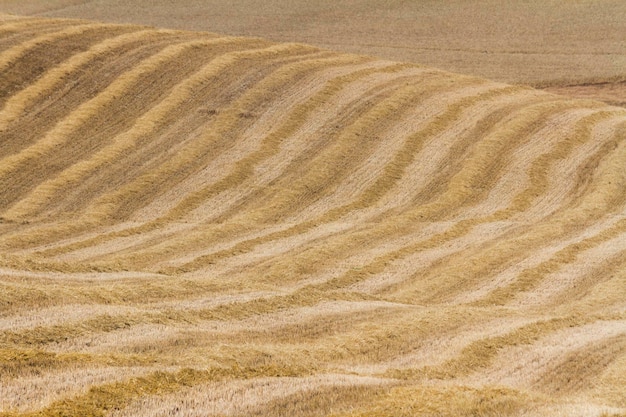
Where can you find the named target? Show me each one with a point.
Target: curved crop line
(477, 170)
(107, 205)
(481, 353)
(586, 364)
(336, 213)
(603, 285)
(485, 262)
(13, 54)
(350, 145)
(392, 225)
(530, 277)
(330, 133)
(119, 394)
(365, 121)
(152, 225)
(212, 72)
(541, 166)
(15, 106)
(144, 125)
(300, 228)
(244, 168)
(227, 122)
(62, 131)
(269, 144)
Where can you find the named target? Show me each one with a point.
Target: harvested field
(195, 224)
(556, 43)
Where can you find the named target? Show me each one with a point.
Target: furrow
(487, 356)
(333, 214)
(325, 155)
(553, 363)
(359, 238)
(470, 270)
(113, 204)
(603, 292)
(357, 75)
(332, 224)
(94, 109)
(29, 393)
(17, 104)
(25, 62)
(305, 66)
(531, 278)
(244, 167)
(120, 394)
(258, 396)
(146, 124)
(10, 56)
(78, 87)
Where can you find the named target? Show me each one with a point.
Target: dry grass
(193, 224)
(574, 48)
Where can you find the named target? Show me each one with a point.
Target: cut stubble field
(195, 224)
(576, 48)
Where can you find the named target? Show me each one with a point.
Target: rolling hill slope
(194, 224)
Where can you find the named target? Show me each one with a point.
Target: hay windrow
(221, 219)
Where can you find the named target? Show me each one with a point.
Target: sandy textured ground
(195, 224)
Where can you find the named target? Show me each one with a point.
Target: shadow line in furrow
(95, 109)
(431, 400)
(15, 34)
(53, 105)
(391, 173)
(437, 125)
(114, 396)
(297, 69)
(477, 355)
(373, 341)
(412, 143)
(593, 284)
(25, 62)
(476, 265)
(576, 372)
(243, 169)
(481, 353)
(10, 56)
(605, 197)
(42, 195)
(113, 205)
(338, 60)
(326, 155)
(460, 228)
(43, 335)
(357, 239)
(153, 225)
(530, 278)
(18, 363)
(17, 104)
